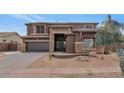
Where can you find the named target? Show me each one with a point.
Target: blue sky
(15, 22)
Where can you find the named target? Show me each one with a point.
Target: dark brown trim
(69, 23)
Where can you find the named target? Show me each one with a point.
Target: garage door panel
(38, 47)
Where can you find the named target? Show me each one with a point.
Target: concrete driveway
(19, 60)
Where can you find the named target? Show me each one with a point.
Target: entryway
(60, 42)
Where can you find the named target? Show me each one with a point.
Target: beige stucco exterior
(15, 38)
(1, 39)
(73, 32)
(10, 41)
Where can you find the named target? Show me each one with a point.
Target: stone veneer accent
(75, 35)
(70, 47)
(79, 46)
(54, 31)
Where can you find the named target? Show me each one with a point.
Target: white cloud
(28, 17)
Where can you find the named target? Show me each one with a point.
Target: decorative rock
(82, 58)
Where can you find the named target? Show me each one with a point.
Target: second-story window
(4, 40)
(40, 29)
(89, 27)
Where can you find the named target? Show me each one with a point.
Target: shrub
(121, 55)
(108, 37)
(122, 63)
(120, 52)
(23, 48)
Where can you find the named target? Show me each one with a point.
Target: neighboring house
(10, 41)
(56, 37)
(10, 37)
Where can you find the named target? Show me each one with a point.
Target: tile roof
(5, 34)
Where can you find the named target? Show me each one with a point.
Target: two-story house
(56, 37)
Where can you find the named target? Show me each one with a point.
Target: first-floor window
(89, 27)
(88, 43)
(4, 40)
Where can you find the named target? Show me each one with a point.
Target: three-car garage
(37, 46)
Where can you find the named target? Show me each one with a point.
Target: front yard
(72, 67)
(109, 61)
(38, 65)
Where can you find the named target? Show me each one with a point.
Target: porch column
(94, 45)
(70, 47)
(51, 41)
(34, 28)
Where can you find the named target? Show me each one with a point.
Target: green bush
(23, 48)
(109, 37)
(120, 52)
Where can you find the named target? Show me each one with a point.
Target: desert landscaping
(109, 61)
(80, 67)
(64, 49)
(40, 65)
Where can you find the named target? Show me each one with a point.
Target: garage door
(38, 47)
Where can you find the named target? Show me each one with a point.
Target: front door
(60, 42)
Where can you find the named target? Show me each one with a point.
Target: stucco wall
(79, 46)
(70, 46)
(0, 39)
(78, 38)
(11, 38)
(14, 38)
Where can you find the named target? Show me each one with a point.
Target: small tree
(108, 36)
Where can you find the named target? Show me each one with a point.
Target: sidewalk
(63, 72)
(10, 52)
